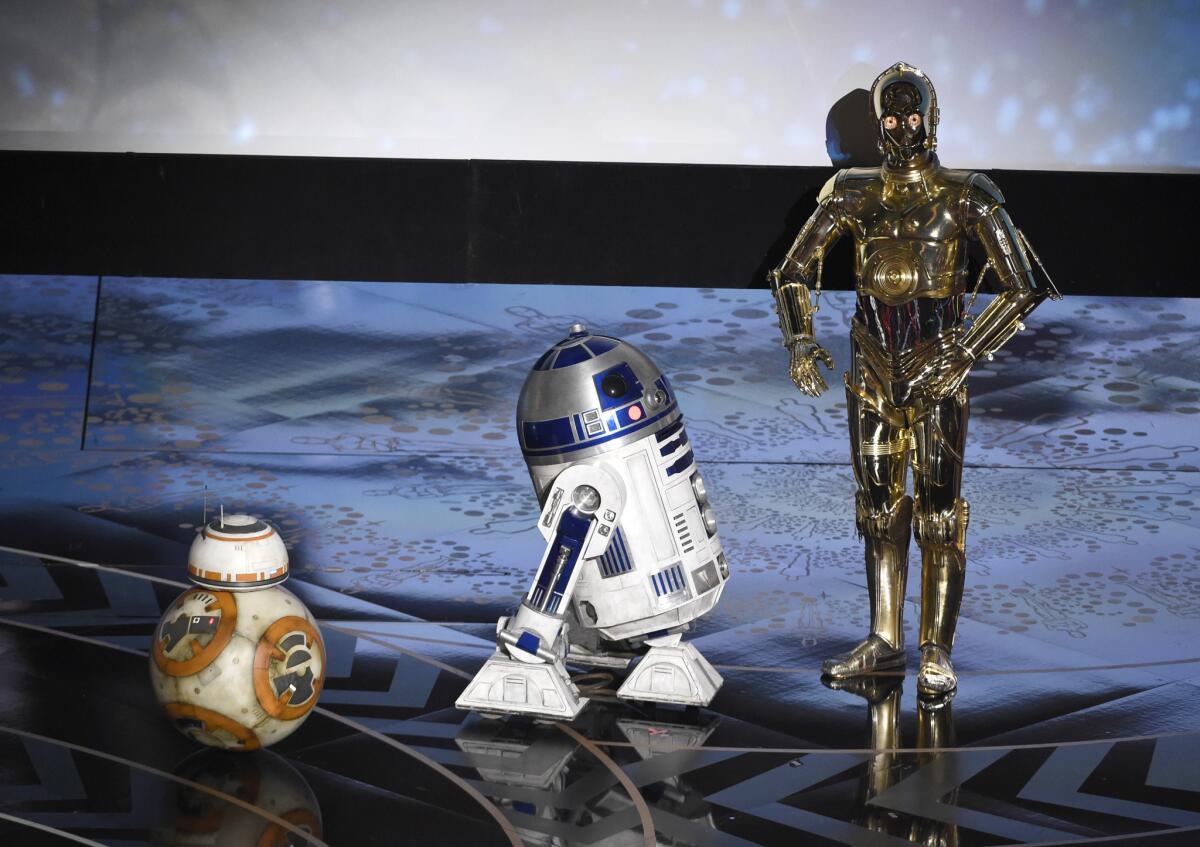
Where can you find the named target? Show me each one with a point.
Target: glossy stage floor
(373, 424)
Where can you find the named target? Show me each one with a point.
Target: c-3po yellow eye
(890, 122)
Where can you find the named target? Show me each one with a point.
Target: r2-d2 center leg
(672, 671)
(527, 674)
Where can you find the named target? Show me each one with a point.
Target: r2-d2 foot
(672, 672)
(633, 551)
(523, 678)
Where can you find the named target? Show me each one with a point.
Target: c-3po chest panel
(909, 246)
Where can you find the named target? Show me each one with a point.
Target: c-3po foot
(872, 655)
(936, 675)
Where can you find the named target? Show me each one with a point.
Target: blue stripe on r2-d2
(668, 581)
(616, 559)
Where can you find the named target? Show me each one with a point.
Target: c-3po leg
(940, 523)
(879, 452)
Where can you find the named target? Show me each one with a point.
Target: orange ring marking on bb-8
(221, 576)
(268, 650)
(204, 656)
(276, 836)
(215, 721)
(241, 538)
(206, 824)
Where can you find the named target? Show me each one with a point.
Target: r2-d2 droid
(633, 555)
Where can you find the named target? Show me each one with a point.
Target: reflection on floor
(373, 424)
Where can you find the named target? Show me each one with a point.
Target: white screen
(1041, 84)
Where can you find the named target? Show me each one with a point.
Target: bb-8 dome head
(238, 553)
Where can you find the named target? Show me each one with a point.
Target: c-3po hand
(951, 372)
(804, 371)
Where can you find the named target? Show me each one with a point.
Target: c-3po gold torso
(910, 354)
(909, 229)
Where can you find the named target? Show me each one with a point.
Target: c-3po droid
(633, 555)
(911, 351)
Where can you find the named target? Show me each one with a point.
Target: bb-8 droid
(238, 661)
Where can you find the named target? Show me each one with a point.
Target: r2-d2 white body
(632, 556)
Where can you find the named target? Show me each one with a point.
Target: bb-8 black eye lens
(613, 385)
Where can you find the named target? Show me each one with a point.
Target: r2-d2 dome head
(587, 395)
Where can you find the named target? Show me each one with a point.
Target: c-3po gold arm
(1020, 292)
(794, 301)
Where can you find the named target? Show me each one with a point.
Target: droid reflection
(559, 795)
(891, 765)
(285, 812)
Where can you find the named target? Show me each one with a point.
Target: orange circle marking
(279, 706)
(213, 722)
(238, 539)
(277, 836)
(199, 657)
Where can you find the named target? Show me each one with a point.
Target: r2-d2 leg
(523, 677)
(672, 671)
(527, 674)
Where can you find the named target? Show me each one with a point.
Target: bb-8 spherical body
(238, 661)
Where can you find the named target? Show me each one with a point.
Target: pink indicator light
(635, 412)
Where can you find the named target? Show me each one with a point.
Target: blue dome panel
(571, 356)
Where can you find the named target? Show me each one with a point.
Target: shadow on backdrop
(850, 141)
(849, 132)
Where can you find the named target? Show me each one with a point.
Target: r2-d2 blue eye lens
(613, 385)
